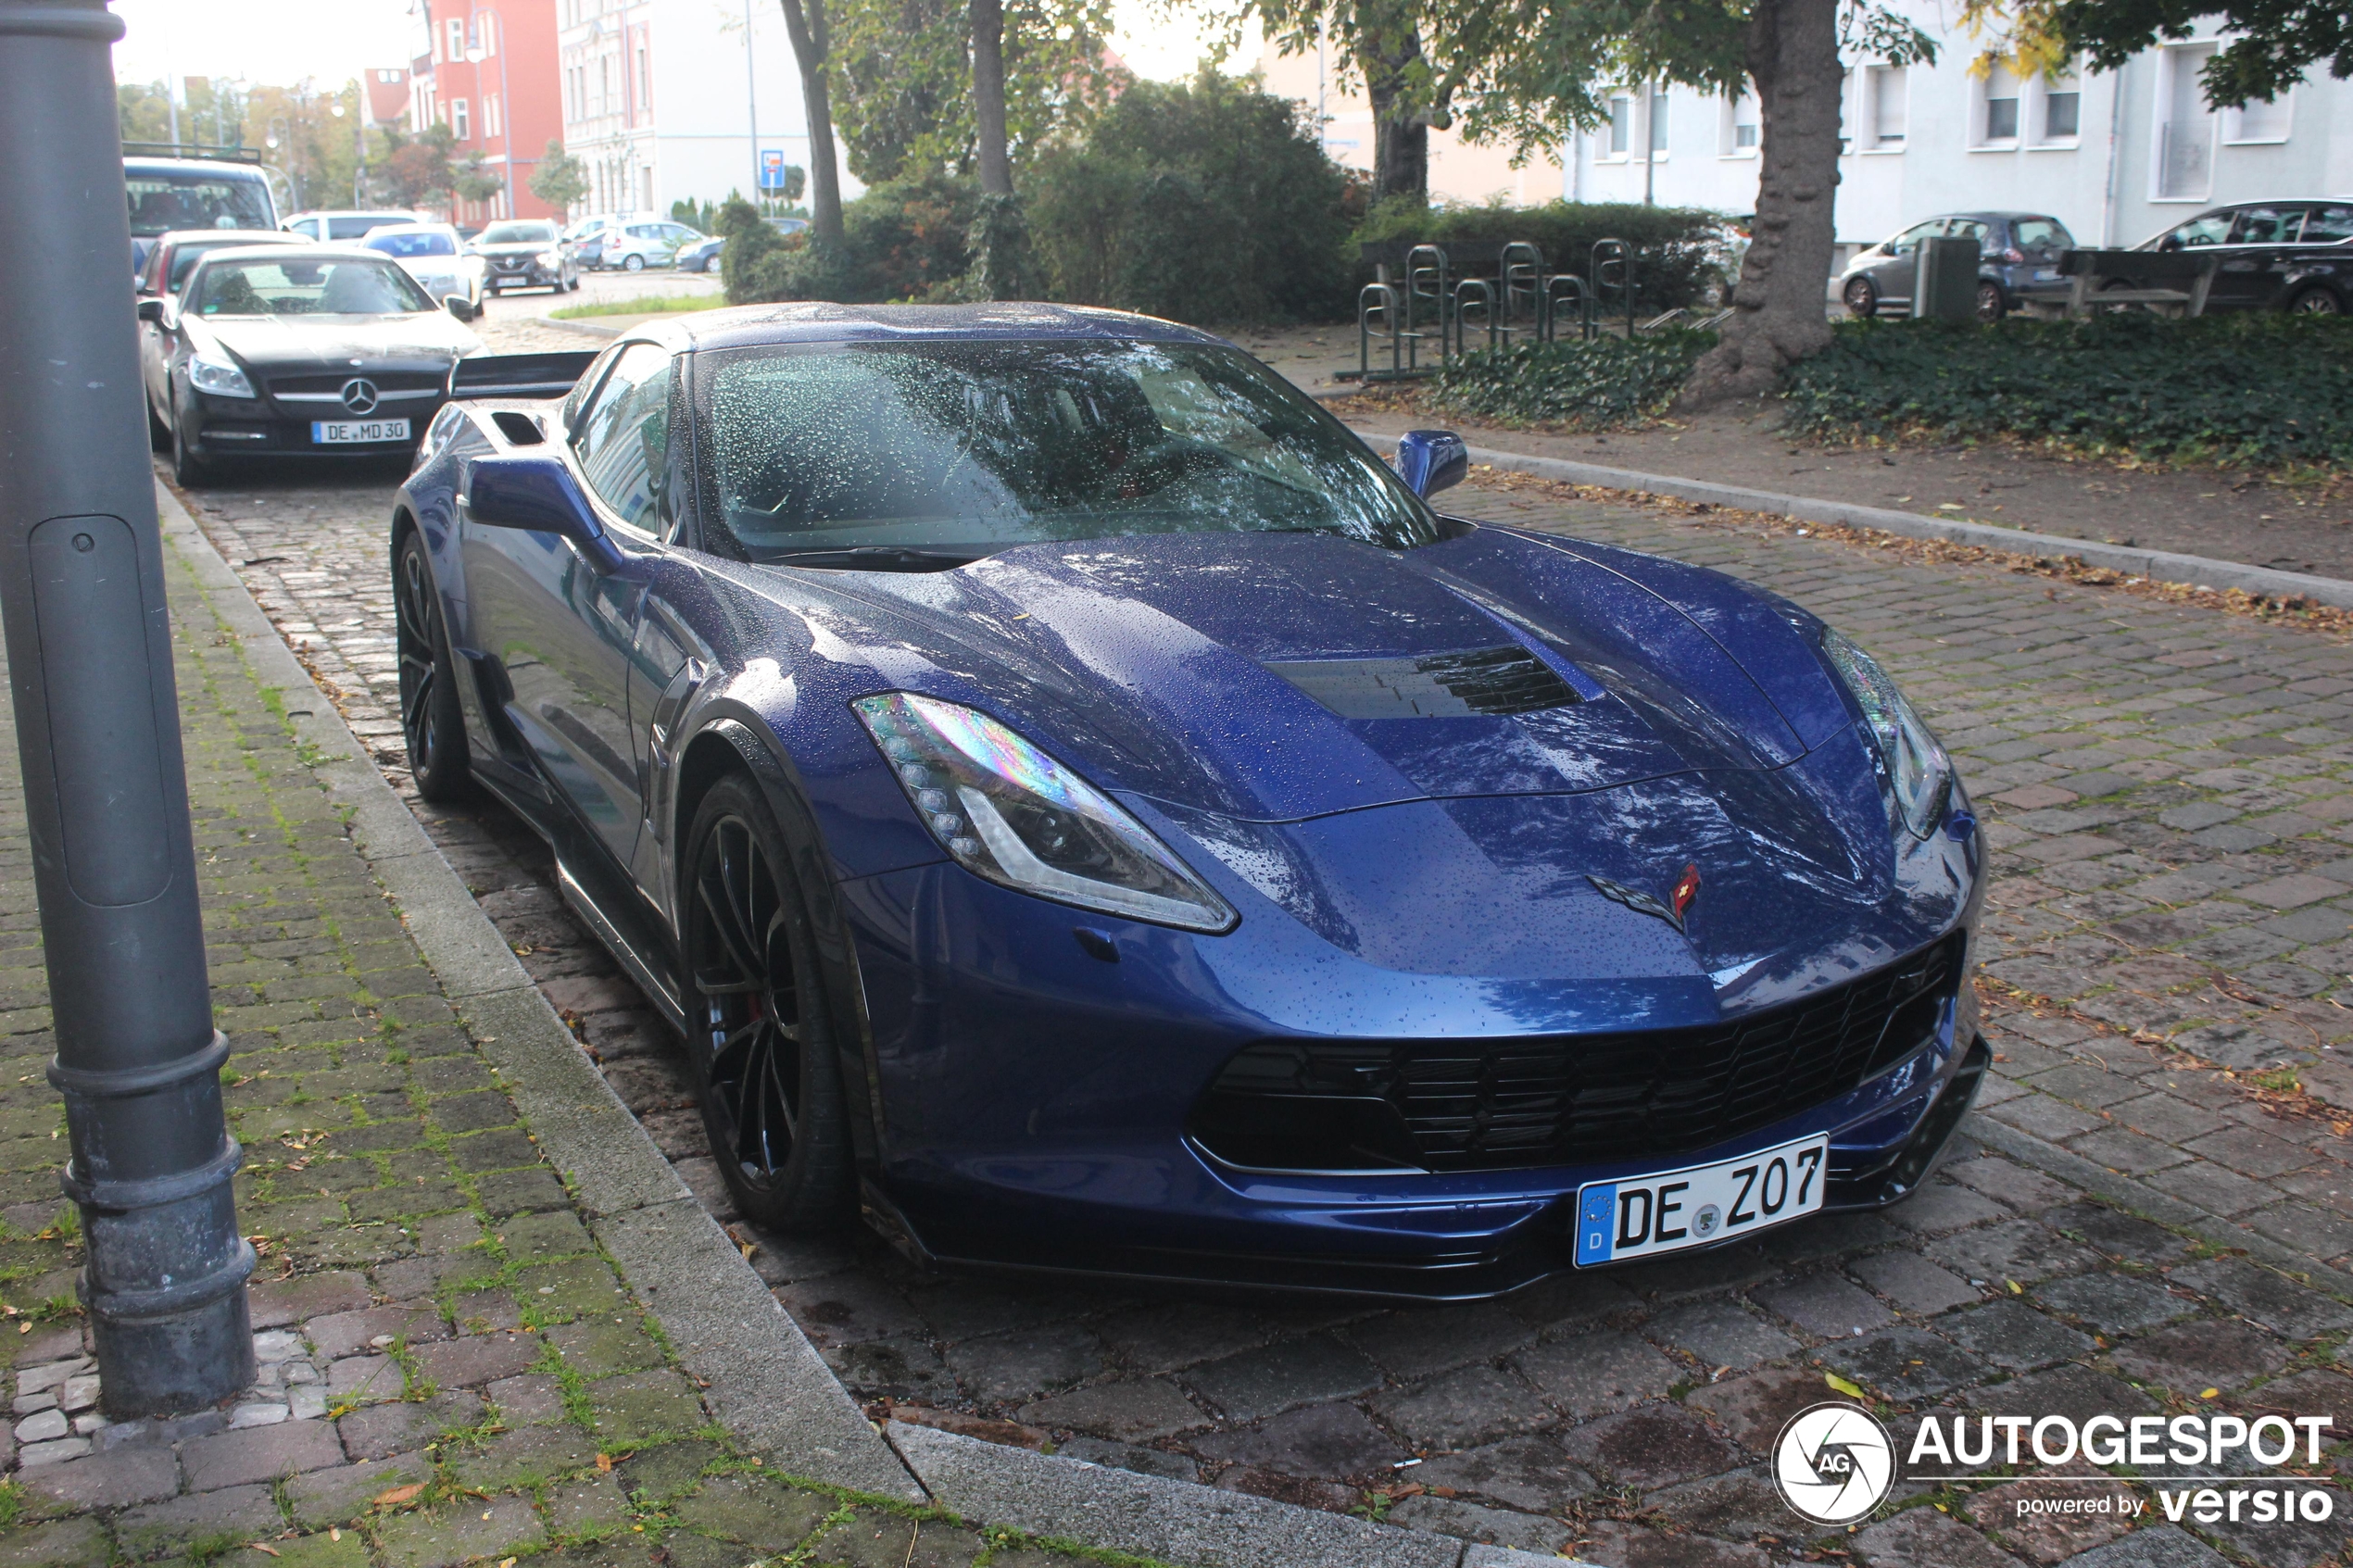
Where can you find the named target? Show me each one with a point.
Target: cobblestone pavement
(450, 1371)
(2152, 1211)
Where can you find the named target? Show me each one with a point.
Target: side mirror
(151, 310)
(538, 495)
(459, 307)
(1431, 461)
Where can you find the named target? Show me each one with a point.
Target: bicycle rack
(1520, 295)
(1612, 267)
(1568, 297)
(1474, 294)
(1428, 285)
(1376, 318)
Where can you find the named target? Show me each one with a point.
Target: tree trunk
(1778, 313)
(988, 96)
(1387, 52)
(812, 38)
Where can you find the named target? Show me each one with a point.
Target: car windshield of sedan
(964, 448)
(518, 234)
(306, 286)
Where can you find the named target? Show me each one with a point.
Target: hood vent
(1494, 681)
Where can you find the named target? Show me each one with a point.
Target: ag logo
(1833, 1463)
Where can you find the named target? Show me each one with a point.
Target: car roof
(746, 326)
(202, 165)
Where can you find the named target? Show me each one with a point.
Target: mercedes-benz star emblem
(1833, 1463)
(359, 394)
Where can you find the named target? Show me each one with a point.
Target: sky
(281, 42)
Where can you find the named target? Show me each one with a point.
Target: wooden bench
(2190, 272)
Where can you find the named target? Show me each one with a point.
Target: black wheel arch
(725, 745)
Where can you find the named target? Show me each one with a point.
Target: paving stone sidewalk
(450, 1369)
(2152, 1213)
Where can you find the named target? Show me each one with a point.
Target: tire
(189, 471)
(1991, 302)
(431, 723)
(490, 294)
(634, 264)
(1862, 298)
(2317, 301)
(158, 433)
(764, 1066)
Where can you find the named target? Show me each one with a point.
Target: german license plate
(1700, 1205)
(330, 432)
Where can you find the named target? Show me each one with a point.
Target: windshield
(162, 202)
(519, 233)
(408, 243)
(968, 447)
(303, 286)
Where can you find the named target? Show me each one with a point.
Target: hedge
(1597, 386)
(2258, 388)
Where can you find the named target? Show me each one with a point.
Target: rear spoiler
(519, 375)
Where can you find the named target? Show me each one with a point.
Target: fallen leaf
(399, 1495)
(1851, 1390)
(2211, 1393)
(263, 1546)
(604, 1462)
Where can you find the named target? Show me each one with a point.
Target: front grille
(391, 381)
(1500, 681)
(1557, 1099)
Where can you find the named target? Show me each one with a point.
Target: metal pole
(751, 110)
(98, 737)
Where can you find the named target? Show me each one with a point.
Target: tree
(416, 168)
(2273, 42)
(807, 25)
(1383, 41)
(988, 21)
(561, 180)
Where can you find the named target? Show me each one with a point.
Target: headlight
(1011, 813)
(218, 377)
(1914, 760)
(548, 259)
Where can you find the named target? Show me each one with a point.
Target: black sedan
(2271, 256)
(314, 351)
(526, 254)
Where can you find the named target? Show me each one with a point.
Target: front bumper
(233, 427)
(529, 275)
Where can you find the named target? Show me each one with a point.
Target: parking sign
(772, 169)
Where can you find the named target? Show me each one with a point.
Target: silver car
(435, 256)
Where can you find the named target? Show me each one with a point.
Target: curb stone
(763, 1379)
(585, 1130)
(2161, 566)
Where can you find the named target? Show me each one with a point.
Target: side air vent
(1441, 685)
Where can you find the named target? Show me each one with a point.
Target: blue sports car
(1084, 811)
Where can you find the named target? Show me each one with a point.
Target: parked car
(526, 254)
(701, 257)
(437, 257)
(173, 255)
(302, 350)
(173, 193)
(2293, 255)
(2018, 259)
(348, 223)
(637, 245)
(1084, 810)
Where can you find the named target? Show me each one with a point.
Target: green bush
(1595, 385)
(1678, 251)
(905, 240)
(1208, 201)
(2253, 387)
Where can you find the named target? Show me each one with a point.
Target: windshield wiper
(877, 558)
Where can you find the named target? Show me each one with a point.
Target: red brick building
(489, 73)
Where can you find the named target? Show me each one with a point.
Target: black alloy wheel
(431, 723)
(2317, 301)
(1862, 298)
(1992, 304)
(189, 471)
(764, 1066)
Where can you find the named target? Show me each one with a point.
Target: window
(461, 121)
(623, 439)
(2062, 108)
(2258, 122)
(2329, 225)
(1740, 125)
(645, 84)
(1659, 123)
(455, 30)
(2268, 226)
(487, 33)
(2184, 161)
(1909, 240)
(1621, 131)
(2001, 104)
(1890, 87)
(2042, 237)
(491, 110)
(2212, 228)
(604, 84)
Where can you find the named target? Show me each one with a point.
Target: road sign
(772, 169)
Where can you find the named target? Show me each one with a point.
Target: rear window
(357, 225)
(2329, 225)
(422, 242)
(2268, 225)
(161, 202)
(2043, 235)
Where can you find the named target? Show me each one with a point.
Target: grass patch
(2258, 388)
(1601, 384)
(643, 305)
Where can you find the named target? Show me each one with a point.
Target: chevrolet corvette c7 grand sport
(1084, 811)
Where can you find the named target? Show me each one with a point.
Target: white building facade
(2117, 157)
(672, 100)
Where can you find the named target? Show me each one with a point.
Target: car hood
(336, 343)
(1277, 677)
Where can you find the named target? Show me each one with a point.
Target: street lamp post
(474, 55)
(97, 715)
(283, 147)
